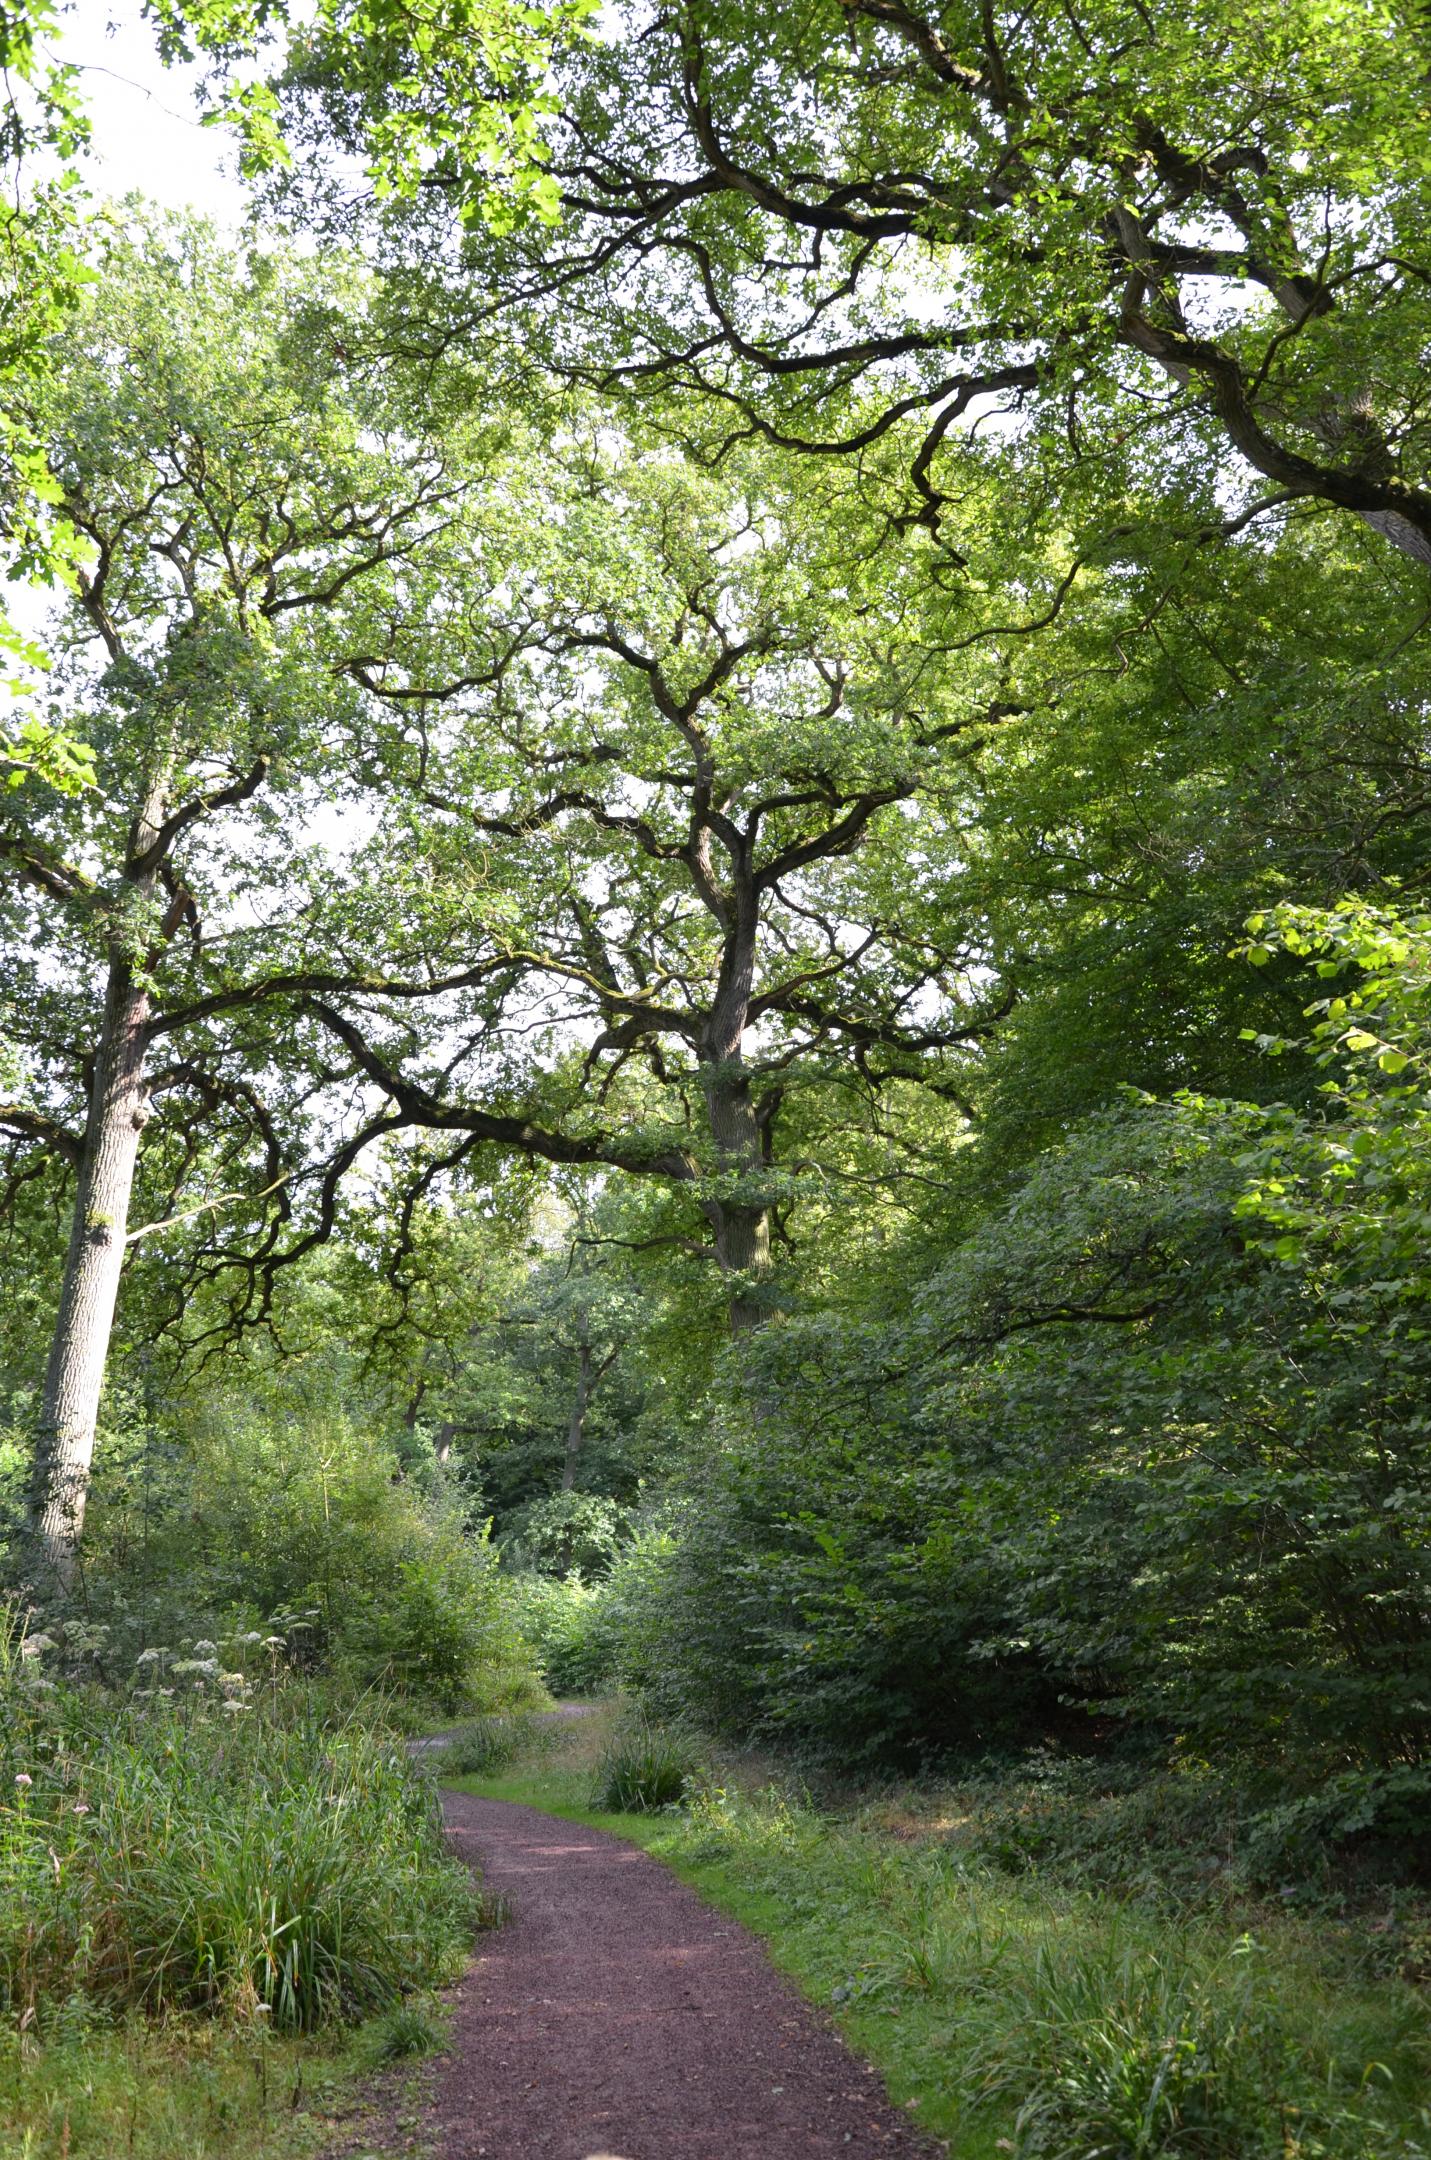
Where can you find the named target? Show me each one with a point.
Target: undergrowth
(644, 1767)
(180, 2089)
(486, 1745)
(238, 1857)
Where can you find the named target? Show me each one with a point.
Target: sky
(146, 131)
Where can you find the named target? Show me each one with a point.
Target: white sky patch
(145, 117)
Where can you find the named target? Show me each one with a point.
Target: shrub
(262, 1513)
(567, 1627)
(829, 1581)
(644, 1767)
(988, 1522)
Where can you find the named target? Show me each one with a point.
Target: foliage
(795, 720)
(567, 1534)
(399, 2034)
(43, 273)
(1152, 1439)
(1158, 246)
(826, 1578)
(197, 655)
(564, 1622)
(229, 1855)
(264, 1511)
(379, 71)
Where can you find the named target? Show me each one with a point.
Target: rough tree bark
(740, 1218)
(79, 1346)
(740, 1215)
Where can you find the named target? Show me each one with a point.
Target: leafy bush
(829, 1580)
(216, 1854)
(644, 1767)
(566, 1625)
(263, 1512)
(1153, 1443)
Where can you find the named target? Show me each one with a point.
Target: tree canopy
(723, 874)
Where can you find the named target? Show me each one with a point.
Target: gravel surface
(616, 2017)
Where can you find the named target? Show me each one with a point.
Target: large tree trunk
(739, 1216)
(74, 1378)
(118, 1107)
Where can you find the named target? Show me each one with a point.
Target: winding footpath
(616, 2017)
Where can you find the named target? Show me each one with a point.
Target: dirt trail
(616, 2017)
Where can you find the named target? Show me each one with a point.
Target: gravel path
(616, 2017)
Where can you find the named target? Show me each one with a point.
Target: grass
(217, 1909)
(186, 2089)
(643, 1768)
(1023, 2017)
(486, 1745)
(188, 1862)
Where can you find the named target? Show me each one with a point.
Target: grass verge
(188, 2089)
(1029, 2018)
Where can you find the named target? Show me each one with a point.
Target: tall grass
(241, 1860)
(644, 1767)
(486, 1745)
